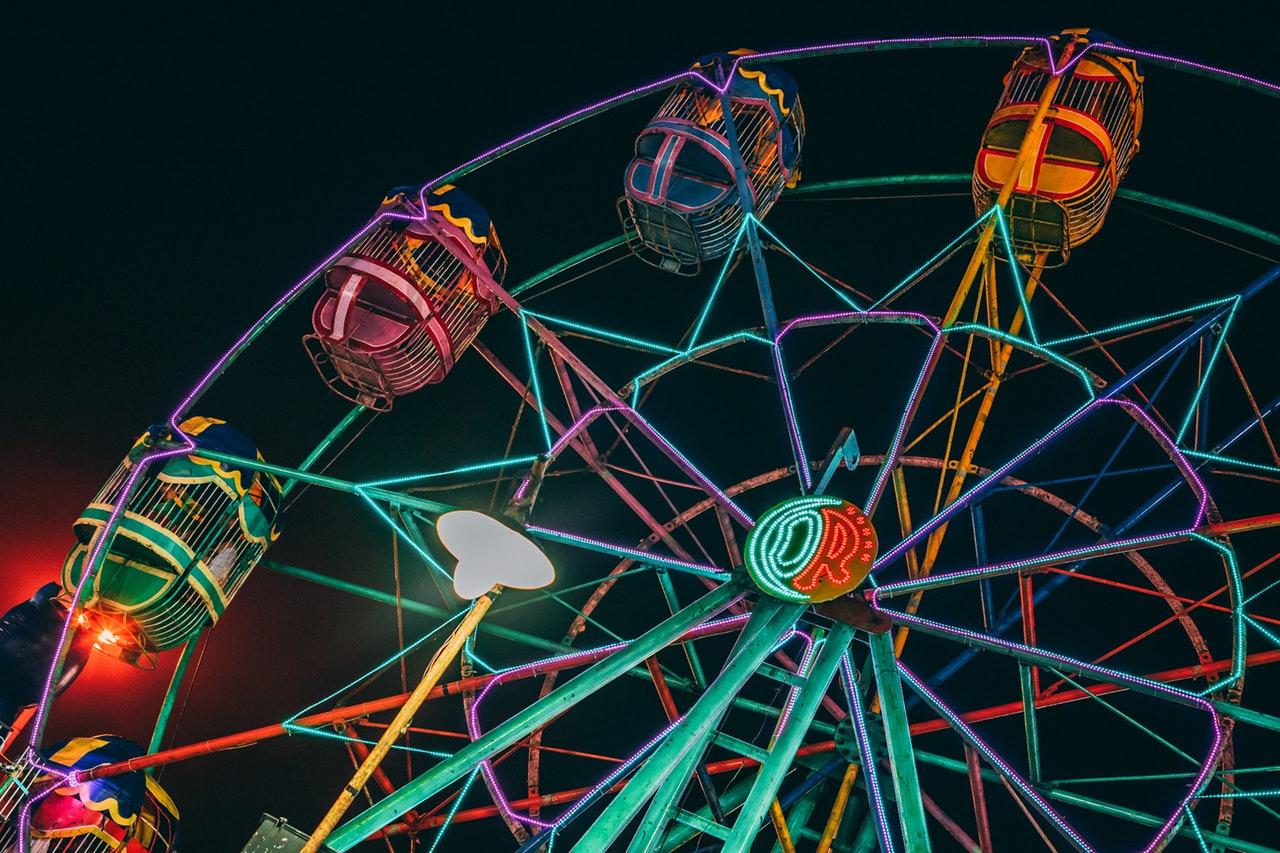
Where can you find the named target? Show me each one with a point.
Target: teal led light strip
(464, 469)
(946, 250)
(293, 728)
(376, 669)
(533, 381)
(715, 288)
(1231, 460)
(422, 552)
(840, 294)
(1032, 346)
(1014, 270)
(1208, 371)
(603, 333)
(453, 810)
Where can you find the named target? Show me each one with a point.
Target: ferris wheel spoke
(531, 718)
(1030, 564)
(792, 730)
(769, 621)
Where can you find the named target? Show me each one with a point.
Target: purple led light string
(805, 660)
(473, 713)
(1005, 770)
(516, 142)
(1101, 672)
(889, 590)
(657, 437)
(869, 774)
(951, 509)
(1005, 39)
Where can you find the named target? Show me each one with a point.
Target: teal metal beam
(798, 817)
(334, 434)
(654, 827)
(1026, 686)
(669, 593)
(782, 752)
(531, 718)
(678, 836)
(769, 620)
(171, 695)
(893, 713)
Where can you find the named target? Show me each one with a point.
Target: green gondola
(191, 533)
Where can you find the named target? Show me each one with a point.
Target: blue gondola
(682, 205)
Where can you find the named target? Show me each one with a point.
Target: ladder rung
(702, 824)
(777, 673)
(741, 747)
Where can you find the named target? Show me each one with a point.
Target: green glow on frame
(1231, 460)
(715, 288)
(422, 552)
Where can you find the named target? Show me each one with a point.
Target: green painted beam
(782, 752)
(531, 718)
(678, 836)
(798, 817)
(769, 620)
(1026, 686)
(171, 695)
(893, 713)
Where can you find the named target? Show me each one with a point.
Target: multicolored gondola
(681, 205)
(401, 306)
(128, 813)
(190, 535)
(1079, 154)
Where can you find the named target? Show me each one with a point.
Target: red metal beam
(363, 709)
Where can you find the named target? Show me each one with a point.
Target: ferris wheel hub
(811, 548)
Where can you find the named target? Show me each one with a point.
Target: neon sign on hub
(812, 548)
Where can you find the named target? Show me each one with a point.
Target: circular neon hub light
(812, 548)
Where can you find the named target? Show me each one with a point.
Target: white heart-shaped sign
(491, 553)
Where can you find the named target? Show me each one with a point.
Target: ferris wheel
(816, 563)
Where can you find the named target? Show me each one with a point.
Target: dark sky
(171, 172)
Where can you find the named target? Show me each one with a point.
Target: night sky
(175, 172)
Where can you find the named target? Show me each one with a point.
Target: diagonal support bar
(782, 753)
(538, 714)
(906, 782)
(756, 642)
